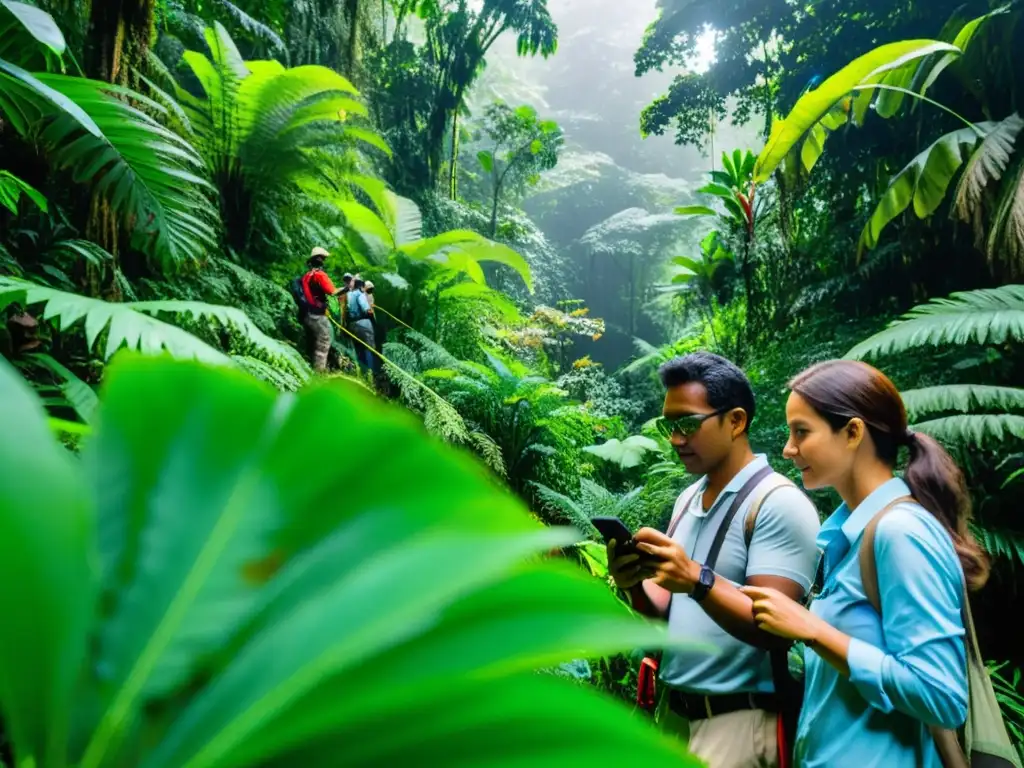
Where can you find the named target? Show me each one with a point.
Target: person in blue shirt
(359, 312)
(719, 694)
(875, 683)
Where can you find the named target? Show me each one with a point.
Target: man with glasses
(740, 523)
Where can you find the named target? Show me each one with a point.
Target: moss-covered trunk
(117, 43)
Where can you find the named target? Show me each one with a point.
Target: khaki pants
(318, 336)
(744, 739)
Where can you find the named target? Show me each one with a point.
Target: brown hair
(840, 390)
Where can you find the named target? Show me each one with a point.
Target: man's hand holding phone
(668, 565)
(625, 564)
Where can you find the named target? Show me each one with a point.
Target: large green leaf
(626, 453)
(817, 103)
(916, 77)
(24, 100)
(130, 324)
(924, 180)
(984, 316)
(928, 74)
(256, 614)
(11, 190)
(24, 27)
(46, 539)
(461, 249)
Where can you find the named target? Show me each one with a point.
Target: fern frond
(567, 509)
(489, 451)
(1001, 543)
(984, 316)
(441, 419)
(963, 398)
(974, 429)
(131, 324)
(282, 379)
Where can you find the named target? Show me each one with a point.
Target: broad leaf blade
(816, 104)
(47, 529)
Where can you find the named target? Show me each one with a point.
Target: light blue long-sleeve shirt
(908, 668)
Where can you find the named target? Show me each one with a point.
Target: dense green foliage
(165, 170)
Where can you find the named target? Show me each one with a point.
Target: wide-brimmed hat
(318, 256)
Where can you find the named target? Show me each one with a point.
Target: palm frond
(254, 27)
(80, 396)
(984, 316)
(150, 176)
(987, 164)
(489, 451)
(974, 429)
(1005, 240)
(963, 398)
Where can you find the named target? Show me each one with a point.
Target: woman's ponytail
(938, 485)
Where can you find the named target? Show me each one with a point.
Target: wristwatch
(705, 581)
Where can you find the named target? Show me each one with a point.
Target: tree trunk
(117, 43)
(748, 291)
(494, 214)
(453, 177)
(632, 299)
(352, 44)
(119, 35)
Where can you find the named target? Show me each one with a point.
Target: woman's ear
(855, 430)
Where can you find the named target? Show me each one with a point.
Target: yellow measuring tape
(394, 366)
(377, 306)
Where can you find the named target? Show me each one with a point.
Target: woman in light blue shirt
(874, 683)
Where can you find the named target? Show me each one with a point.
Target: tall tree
(458, 40)
(519, 147)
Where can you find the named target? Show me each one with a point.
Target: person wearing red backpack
(314, 288)
(740, 523)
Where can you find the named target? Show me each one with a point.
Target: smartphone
(613, 528)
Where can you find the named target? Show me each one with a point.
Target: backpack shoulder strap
(737, 501)
(767, 488)
(866, 554)
(682, 511)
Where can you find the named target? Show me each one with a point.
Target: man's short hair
(346, 277)
(727, 386)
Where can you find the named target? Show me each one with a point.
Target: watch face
(707, 576)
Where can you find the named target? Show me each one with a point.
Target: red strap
(780, 735)
(646, 691)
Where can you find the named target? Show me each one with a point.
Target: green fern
(133, 325)
(974, 429)
(985, 316)
(1003, 544)
(594, 501)
(962, 398)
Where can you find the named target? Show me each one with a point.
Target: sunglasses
(685, 426)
